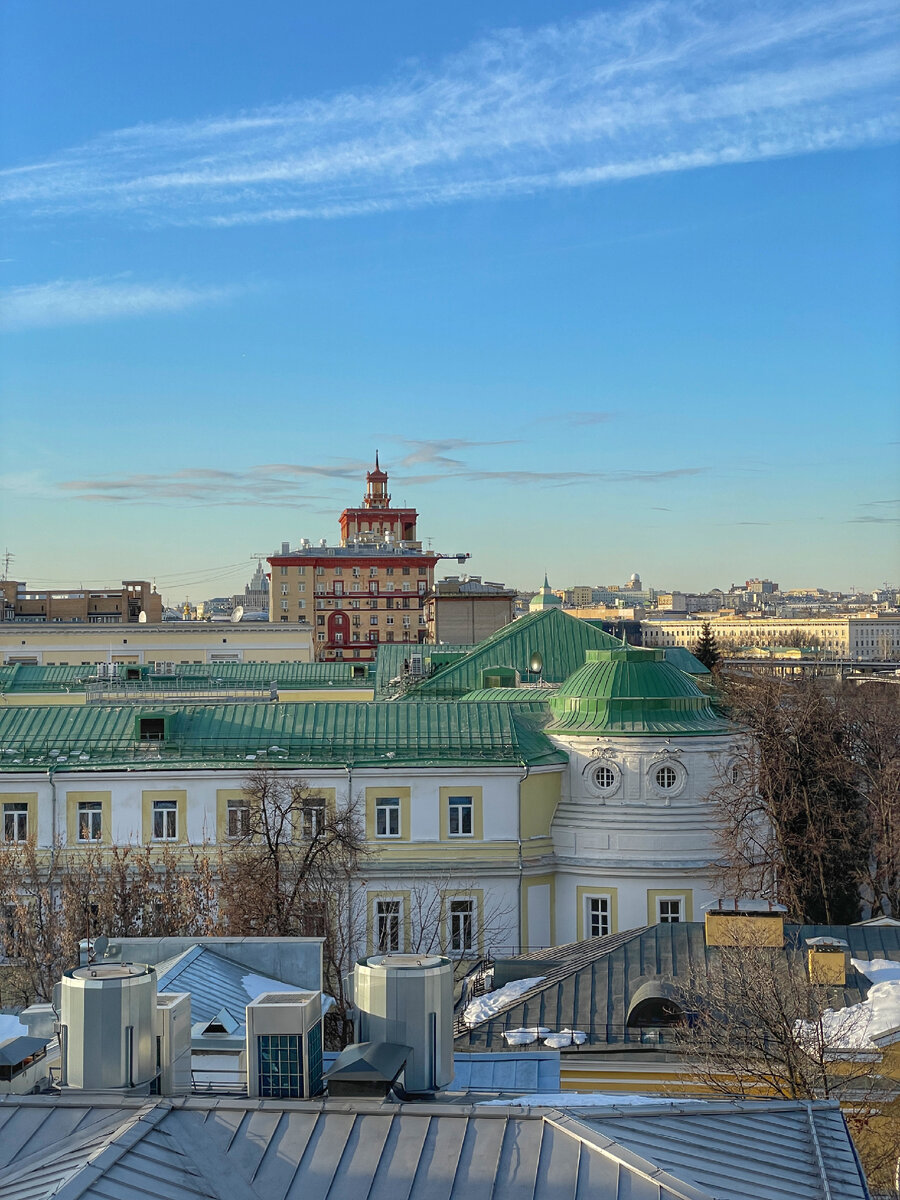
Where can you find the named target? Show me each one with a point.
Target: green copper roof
(562, 642)
(544, 598)
(325, 733)
(632, 691)
(291, 676)
(682, 658)
(532, 698)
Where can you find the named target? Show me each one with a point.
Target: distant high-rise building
(369, 589)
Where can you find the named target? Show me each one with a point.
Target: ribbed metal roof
(632, 691)
(793, 1151)
(227, 1149)
(296, 676)
(534, 699)
(213, 982)
(591, 985)
(82, 738)
(682, 658)
(562, 642)
(392, 655)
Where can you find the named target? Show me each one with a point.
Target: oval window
(666, 777)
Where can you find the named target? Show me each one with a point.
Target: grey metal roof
(370, 1060)
(214, 983)
(227, 1149)
(531, 1071)
(591, 985)
(17, 1049)
(790, 1150)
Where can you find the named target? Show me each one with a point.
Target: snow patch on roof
(858, 1025)
(491, 1003)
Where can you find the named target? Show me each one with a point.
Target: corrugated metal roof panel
(590, 985)
(295, 676)
(562, 642)
(758, 1152)
(35, 737)
(290, 1150)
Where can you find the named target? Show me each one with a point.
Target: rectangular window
(284, 570)
(389, 620)
(338, 570)
(312, 818)
(284, 605)
(284, 589)
(387, 925)
(238, 818)
(338, 587)
(406, 570)
(152, 729)
(165, 820)
(460, 816)
(301, 570)
(356, 572)
(373, 620)
(669, 910)
(406, 587)
(387, 817)
(320, 570)
(597, 924)
(90, 816)
(15, 822)
(462, 925)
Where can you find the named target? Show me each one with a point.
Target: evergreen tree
(707, 649)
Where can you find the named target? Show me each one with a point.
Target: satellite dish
(237, 614)
(100, 945)
(142, 617)
(537, 663)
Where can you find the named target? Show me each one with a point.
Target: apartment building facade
(367, 590)
(858, 638)
(100, 606)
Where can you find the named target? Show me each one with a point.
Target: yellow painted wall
(538, 798)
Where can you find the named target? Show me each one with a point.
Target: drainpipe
(526, 769)
(54, 820)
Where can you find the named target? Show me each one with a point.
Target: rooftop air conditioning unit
(284, 1045)
(416, 664)
(107, 1027)
(173, 1042)
(407, 1000)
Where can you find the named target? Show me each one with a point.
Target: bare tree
(52, 899)
(792, 812)
(288, 864)
(755, 1025)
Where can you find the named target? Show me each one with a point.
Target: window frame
(462, 922)
(18, 811)
(389, 807)
(233, 806)
(669, 900)
(163, 809)
(92, 809)
(603, 900)
(387, 924)
(458, 808)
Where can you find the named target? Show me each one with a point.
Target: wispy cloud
(278, 484)
(660, 86)
(78, 301)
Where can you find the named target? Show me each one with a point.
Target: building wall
(859, 638)
(465, 620)
(633, 841)
(171, 641)
(353, 601)
(100, 606)
(540, 843)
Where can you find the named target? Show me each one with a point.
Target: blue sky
(611, 289)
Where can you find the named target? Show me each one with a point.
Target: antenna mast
(8, 556)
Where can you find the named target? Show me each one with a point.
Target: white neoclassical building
(508, 817)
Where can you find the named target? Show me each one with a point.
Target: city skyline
(610, 290)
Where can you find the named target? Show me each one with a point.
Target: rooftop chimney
(737, 922)
(828, 959)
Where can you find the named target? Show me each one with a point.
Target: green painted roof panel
(326, 733)
(296, 676)
(561, 640)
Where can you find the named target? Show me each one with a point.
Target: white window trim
(387, 916)
(472, 913)
(682, 902)
(460, 808)
(607, 897)
(390, 805)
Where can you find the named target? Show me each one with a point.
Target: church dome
(545, 598)
(632, 691)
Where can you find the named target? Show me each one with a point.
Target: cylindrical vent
(407, 999)
(108, 1012)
